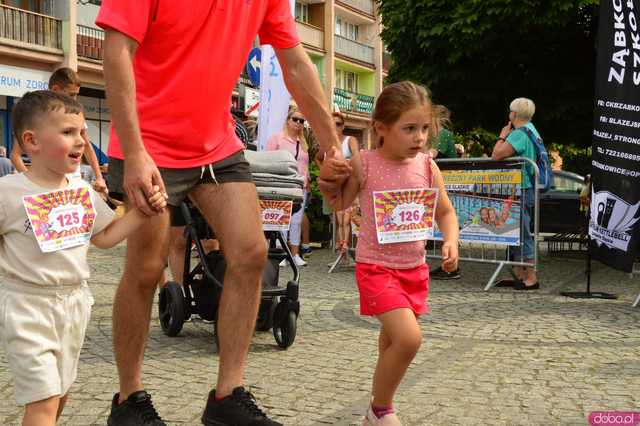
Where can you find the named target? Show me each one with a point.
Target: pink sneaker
(370, 419)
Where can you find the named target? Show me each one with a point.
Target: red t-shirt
(189, 57)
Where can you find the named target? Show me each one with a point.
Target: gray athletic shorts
(179, 182)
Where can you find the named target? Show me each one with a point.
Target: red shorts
(384, 289)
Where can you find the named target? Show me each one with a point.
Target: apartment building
(37, 36)
(342, 38)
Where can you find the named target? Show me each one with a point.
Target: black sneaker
(237, 409)
(137, 410)
(441, 274)
(306, 251)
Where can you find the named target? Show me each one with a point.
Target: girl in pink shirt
(292, 139)
(393, 278)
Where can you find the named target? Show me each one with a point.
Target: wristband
(501, 139)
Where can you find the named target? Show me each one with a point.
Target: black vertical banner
(615, 200)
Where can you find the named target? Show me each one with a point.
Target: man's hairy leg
(232, 210)
(144, 263)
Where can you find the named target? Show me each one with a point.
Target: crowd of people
(162, 153)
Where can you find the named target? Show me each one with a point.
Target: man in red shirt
(170, 69)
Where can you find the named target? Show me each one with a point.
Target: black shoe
(441, 274)
(508, 283)
(305, 251)
(522, 286)
(136, 410)
(237, 409)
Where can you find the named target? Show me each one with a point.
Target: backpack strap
(532, 139)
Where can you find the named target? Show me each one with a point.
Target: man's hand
(140, 177)
(100, 186)
(449, 257)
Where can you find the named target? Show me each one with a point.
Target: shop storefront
(15, 82)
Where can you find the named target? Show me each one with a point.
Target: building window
(302, 12)
(346, 29)
(347, 80)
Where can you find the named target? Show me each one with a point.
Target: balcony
(310, 35)
(22, 26)
(353, 49)
(89, 42)
(365, 6)
(349, 101)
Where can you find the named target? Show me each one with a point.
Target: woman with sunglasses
(292, 139)
(350, 147)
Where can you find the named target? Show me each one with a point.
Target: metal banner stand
(588, 294)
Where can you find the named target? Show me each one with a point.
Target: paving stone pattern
(489, 358)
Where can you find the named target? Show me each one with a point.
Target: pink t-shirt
(380, 174)
(282, 141)
(189, 57)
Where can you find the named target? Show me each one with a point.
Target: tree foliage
(478, 55)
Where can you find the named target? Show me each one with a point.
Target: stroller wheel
(171, 309)
(285, 331)
(266, 313)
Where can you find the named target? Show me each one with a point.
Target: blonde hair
(524, 108)
(301, 136)
(396, 99)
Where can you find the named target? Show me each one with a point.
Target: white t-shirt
(20, 255)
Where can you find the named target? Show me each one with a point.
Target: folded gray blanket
(272, 162)
(268, 179)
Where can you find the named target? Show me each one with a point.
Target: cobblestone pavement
(489, 358)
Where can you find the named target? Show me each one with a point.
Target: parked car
(560, 206)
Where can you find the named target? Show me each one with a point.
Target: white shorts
(42, 330)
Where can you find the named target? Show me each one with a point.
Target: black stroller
(279, 307)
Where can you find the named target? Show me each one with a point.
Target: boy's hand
(449, 257)
(157, 199)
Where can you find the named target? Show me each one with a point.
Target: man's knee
(250, 258)
(145, 273)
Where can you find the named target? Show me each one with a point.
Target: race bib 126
(404, 215)
(61, 219)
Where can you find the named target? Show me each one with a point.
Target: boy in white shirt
(46, 223)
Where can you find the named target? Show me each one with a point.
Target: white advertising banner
(16, 81)
(274, 96)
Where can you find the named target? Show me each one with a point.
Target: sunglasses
(339, 124)
(297, 120)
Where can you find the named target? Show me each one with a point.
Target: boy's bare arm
(120, 228)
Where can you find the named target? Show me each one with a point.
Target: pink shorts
(384, 289)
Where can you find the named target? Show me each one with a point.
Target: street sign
(251, 102)
(253, 66)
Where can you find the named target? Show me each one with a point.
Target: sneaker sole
(457, 277)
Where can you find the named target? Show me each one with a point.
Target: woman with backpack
(519, 138)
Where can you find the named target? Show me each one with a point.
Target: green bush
(479, 141)
(574, 159)
(319, 221)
